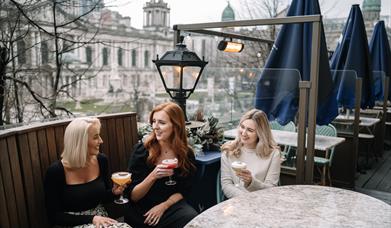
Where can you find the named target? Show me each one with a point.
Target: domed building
(228, 13)
(371, 12)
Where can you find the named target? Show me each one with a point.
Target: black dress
(178, 214)
(61, 197)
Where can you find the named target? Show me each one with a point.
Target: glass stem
(238, 184)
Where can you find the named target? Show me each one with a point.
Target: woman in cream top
(255, 149)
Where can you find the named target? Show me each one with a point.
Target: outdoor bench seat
(26, 152)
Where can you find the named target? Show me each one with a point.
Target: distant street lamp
(180, 71)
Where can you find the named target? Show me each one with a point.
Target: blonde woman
(77, 185)
(255, 152)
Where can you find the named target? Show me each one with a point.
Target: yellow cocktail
(121, 179)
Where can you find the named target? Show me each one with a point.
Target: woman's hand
(99, 221)
(161, 171)
(154, 214)
(118, 189)
(245, 176)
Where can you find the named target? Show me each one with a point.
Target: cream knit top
(265, 172)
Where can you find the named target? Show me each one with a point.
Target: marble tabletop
(297, 206)
(289, 138)
(364, 121)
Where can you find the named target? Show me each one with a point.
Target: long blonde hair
(265, 144)
(76, 141)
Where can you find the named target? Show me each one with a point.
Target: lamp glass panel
(171, 75)
(190, 74)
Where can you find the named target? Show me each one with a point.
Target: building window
(105, 81)
(119, 56)
(134, 58)
(21, 50)
(89, 55)
(105, 54)
(44, 52)
(146, 59)
(149, 18)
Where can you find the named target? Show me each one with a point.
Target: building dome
(371, 5)
(228, 14)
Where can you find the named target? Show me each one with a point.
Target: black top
(159, 192)
(61, 197)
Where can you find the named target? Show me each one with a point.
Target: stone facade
(112, 58)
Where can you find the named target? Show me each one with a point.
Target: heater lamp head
(229, 46)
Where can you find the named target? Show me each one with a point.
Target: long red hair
(177, 141)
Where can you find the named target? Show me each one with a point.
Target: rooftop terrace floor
(376, 182)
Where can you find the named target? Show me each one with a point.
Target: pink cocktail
(170, 164)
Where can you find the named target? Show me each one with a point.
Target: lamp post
(180, 71)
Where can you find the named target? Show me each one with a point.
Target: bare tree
(3, 57)
(13, 31)
(44, 27)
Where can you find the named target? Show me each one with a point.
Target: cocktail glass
(121, 178)
(170, 164)
(238, 166)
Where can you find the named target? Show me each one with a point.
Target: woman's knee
(187, 213)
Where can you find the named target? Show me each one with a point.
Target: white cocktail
(170, 164)
(121, 178)
(238, 166)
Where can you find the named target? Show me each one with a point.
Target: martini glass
(121, 178)
(170, 164)
(238, 166)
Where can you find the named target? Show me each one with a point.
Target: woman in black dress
(77, 185)
(154, 203)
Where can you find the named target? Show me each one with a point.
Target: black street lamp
(180, 71)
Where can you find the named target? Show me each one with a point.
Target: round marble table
(297, 206)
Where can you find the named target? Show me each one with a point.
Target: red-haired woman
(154, 203)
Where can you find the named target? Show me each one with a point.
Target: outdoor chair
(220, 197)
(324, 163)
(287, 152)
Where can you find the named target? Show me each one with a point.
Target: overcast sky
(196, 11)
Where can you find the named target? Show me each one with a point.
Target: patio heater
(230, 46)
(180, 71)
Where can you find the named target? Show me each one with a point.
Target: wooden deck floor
(377, 180)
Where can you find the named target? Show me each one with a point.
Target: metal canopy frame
(304, 167)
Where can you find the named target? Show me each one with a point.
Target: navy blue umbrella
(380, 52)
(352, 53)
(275, 94)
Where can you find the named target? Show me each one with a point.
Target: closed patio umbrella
(292, 50)
(380, 52)
(352, 53)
